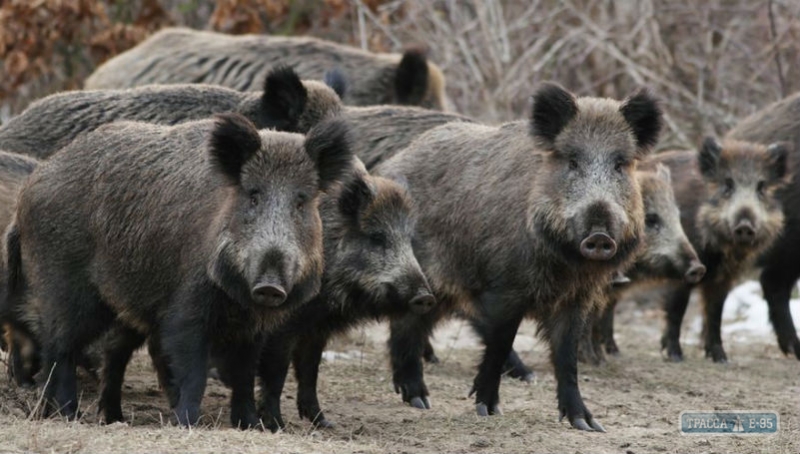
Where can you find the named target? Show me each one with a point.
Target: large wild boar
(530, 218)
(780, 266)
(727, 194)
(202, 236)
(286, 104)
(181, 55)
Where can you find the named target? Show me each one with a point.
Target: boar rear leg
(499, 340)
(714, 295)
(676, 300)
(777, 287)
(239, 360)
(564, 330)
(120, 345)
(406, 344)
(272, 369)
(307, 357)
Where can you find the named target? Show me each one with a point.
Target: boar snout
(269, 293)
(422, 303)
(695, 273)
(598, 246)
(744, 232)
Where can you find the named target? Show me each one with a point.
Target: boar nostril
(421, 304)
(598, 246)
(744, 232)
(269, 294)
(695, 273)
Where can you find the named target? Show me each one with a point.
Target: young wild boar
(667, 255)
(181, 56)
(202, 236)
(553, 210)
(286, 104)
(730, 212)
(780, 267)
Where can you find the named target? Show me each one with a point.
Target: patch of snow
(746, 314)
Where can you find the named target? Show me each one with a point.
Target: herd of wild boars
(233, 202)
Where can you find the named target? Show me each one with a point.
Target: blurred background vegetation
(711, 61)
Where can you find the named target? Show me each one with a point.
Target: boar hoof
(612, 348)
(431, 358)
(580, 424)
(483, 410)
(273, 424)
(322, 423)
(717, 353)
(423, 403)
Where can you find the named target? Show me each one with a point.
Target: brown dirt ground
(637, 396)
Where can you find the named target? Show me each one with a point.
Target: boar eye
(760, 187)
(728, 190)
(254, 195)
(620, 164)
(573, 164)
(302, 198)
(377, 239)
(652, 221)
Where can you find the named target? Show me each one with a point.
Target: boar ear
(284, 99)
(328, 145)
(778, 156)
(553, 108)
(643, 113)
(233, 141)
(355, 195)
(664, 173)
(411, 77)
(708, 157)
(336, 80)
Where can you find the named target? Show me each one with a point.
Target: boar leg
(406, 344)
(714, 294)
(563, 330)
(120, 345)
(272, 369)
(61, 389)
(604, 329)
(161, 366)
(676, 300)
(184, 343)
(429, 354)
(586, 348)
(777, 287)
(239, 360)
(513, 366)
(499, 339)
(81, 307)
(307, 356)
